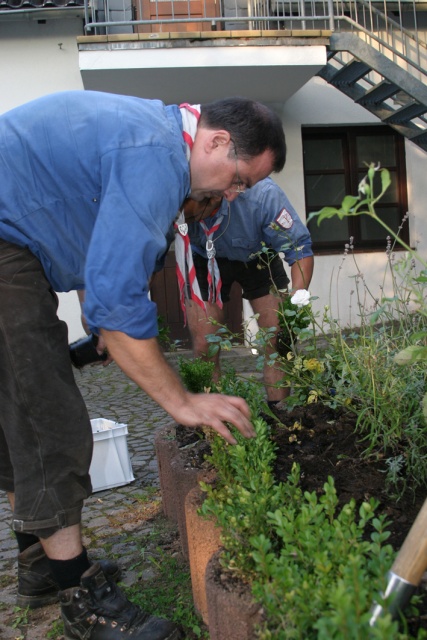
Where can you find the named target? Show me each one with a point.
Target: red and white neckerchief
(185, 270)
(184, 258)
(214, 276)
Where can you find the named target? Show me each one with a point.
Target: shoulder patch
(284, 219)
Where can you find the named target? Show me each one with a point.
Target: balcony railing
(397, 30)
(163, 16)
(390, 17)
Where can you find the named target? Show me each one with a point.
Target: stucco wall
(40, 58)
(317, 103)
(43, 58)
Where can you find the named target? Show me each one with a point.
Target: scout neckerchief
(184, 258)
(214, 276)
(185, 270)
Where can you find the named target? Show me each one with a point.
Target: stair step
(378, 94)
(405, 114)
(350, 73)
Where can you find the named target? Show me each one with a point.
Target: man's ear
(217, 139)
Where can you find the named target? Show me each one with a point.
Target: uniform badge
(183, 229)
(284, 219)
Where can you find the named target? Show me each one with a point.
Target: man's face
(216, 170)
(195, 211)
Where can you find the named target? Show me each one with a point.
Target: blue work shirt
(90, 183)
(260, 214)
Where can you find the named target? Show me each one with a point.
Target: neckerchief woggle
(185, 269)
(214, 276)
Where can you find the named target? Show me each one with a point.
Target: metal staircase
(386, 75)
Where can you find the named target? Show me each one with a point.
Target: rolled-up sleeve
(283, 229)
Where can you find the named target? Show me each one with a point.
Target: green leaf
(210, 337)
(385, 179)
(326, 212)
(411, 354)
(348, 203)
(419, 335)
(213, 350)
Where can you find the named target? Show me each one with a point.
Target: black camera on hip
(84, 351)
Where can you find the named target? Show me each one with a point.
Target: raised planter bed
(203, 538)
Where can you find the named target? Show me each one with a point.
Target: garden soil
(324, 443)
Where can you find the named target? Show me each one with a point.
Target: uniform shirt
(252, 215)
(90, 183)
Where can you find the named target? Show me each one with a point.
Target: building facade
(281, 54)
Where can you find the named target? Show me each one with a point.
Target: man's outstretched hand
(144, 363)
(214, 410)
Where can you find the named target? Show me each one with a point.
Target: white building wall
(54, 66)
(40, 58)
(317, 104)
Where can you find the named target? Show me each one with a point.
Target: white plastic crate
(111, 465)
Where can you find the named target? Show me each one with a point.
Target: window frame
(348, 136)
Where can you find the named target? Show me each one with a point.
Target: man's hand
(214, 410)
(144, 362)
(101, 348)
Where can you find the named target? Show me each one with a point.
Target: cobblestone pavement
(109, 517)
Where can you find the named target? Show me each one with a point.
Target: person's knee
(200, 344)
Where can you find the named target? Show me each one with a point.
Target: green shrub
(376, 369)
(318, 576)
(196, 374)
(317, 567)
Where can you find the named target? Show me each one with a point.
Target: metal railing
(268, 14)
(114, 16)
(394, 30)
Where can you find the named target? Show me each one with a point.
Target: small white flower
(301, 298)
(362, 185)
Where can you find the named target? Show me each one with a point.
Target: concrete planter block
(232, 611)
(166, 448)
(203, 538)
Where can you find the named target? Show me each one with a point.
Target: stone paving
(108, 516)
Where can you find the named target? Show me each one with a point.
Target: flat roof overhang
(175, 70)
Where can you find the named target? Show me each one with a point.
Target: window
(335, 161)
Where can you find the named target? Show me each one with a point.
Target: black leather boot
(36, 585)
(98, 610)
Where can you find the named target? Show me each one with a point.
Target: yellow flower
(313, 397)
(312, 364)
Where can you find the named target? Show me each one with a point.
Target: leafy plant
(243, 494)
(20, 617)
(57, 630)
(316, 568)
(319, 575)
(196, 374)
(223, 339)
(294, 315)
(364, 368)
(364, 204)
(164, 337)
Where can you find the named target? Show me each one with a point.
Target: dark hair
(253, 126)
